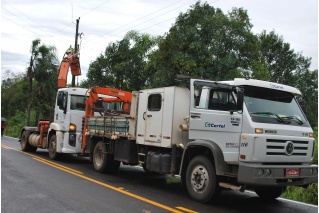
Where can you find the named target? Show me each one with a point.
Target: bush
(16, 123)
(308, 195)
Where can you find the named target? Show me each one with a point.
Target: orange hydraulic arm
(69, 60)
(116, 96)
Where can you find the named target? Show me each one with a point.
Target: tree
(282, 62)
(123, 64)
(44, 72)
(13, 95)
(205, 43)
(45, 75)
(34, 53)
(307, 83)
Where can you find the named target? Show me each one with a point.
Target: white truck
(228, 134)
(61, 134)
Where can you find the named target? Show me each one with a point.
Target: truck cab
(266, 144)
(67, 124)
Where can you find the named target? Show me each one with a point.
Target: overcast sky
(102, 22)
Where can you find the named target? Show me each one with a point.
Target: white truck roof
(74, 90)
(264, 84)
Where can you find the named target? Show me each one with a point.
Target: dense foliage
(123, 64)
(204, 42)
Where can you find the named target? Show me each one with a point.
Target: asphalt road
(30, 182)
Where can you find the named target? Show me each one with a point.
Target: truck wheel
(52, 149)
(201, 180)
(25, 146)
(269, 193)
(102, 161)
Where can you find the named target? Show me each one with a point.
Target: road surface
(31, 182)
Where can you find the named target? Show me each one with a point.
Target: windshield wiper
(300, 122)
(270, 113)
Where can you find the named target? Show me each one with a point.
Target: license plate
(292, 172)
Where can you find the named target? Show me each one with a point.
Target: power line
(128, 29)
(29, 21)
(108, 33)
(94, 8)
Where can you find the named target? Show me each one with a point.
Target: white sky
(102, 22)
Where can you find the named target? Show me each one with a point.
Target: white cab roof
(264, 84)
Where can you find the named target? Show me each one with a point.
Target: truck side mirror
(240, 100)
(60, 99)
(303, 107)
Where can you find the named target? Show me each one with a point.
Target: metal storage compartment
(160, 163)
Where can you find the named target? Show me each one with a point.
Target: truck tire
(25, 146)
(269, 193)
(201, 180)
(102, 161)
(52, 149)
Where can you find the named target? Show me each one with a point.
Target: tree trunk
(30, 78)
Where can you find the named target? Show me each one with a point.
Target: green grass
(308, 195)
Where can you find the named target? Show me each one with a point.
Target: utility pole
(76, 46)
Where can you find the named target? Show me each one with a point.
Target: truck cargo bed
(108, 126)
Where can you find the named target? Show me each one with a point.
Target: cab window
(214, 99)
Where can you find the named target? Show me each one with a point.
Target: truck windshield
(273, 106)
(78, 102)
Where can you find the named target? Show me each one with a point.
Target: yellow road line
(185, 209)
(120, 190)
(56, 165)
(42, 159)
(5, 146)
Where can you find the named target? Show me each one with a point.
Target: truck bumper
(277, 175)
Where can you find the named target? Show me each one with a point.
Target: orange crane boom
(70, 60)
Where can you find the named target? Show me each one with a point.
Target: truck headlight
(259, 131)
(72, 127)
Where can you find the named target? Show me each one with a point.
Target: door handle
(144, 115)
(195, 116)
(149, 116)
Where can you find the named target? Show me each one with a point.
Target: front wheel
(53, 154)
(104, 162)
(269, 193)
(201, 180)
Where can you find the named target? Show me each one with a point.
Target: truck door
(213, 117)
(149, 129)
(60, 113)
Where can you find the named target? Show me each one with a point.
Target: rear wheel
(53, 154)
(25, 146)
(201, 180)
(104, 162)
(269, 193)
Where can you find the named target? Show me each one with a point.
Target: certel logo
(275, 86)
(212, 125)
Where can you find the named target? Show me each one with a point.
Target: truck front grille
(279, 147)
